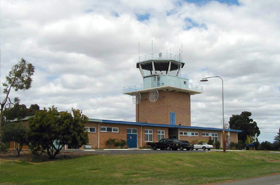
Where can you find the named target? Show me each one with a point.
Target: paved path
(266, 180)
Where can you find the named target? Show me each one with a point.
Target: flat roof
(164, 88)
(159, 125)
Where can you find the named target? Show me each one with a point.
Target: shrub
(210, 142)
(110, 142)
(265, 146)
(195, 141)
(116, 143)
(240, 145)
(232, 145)
(4, 147)
(217, 144)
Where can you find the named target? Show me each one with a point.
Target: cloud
(85, 52)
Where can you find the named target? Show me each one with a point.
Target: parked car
(166, 144)
(203, 146)
(185, 145)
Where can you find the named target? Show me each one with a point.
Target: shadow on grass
(26, 156)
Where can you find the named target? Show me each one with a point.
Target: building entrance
(131, 138)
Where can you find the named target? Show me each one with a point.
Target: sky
(85, 52)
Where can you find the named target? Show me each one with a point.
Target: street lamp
(223, 109)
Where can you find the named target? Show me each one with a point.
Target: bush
(217, 144)
(210, 142)
(4, 147)
(265, 146)
(232, 145)
(240, 145)
(116, 143)
(276, 145)
(256, 144)
(195, 141)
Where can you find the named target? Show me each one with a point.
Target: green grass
(170, 168)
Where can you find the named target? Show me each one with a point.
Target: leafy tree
(276, 144)
(32, 110)
(248, 126)
(17, 111)
(19, 78)
(15, 132)
(266, 145)
(51, 130)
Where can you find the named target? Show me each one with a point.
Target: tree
(276, 144)
(19, 78)
(247, 125)
(17, 111)
(51, 130)
(266, 145)
(15, 132)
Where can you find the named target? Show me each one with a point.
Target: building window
(183, 134)
(110, 129)
(132, 131)
(91, 129)
(194, 134)
(160, 134)
(103, 129)
(116, 129)
(148, 135)
(189, 134)
(214, 136)
(209, 134)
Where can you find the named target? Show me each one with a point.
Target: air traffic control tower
(164, 97)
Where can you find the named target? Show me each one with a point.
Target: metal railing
(170, 83)
(160, 56)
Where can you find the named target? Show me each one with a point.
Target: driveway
(267, 180)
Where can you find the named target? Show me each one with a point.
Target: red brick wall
(104, 136)
(158, 112)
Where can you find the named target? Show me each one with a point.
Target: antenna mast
(152, 48)
(139, 51)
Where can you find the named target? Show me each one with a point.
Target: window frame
(88, 129)
(160, 135)
(111, 129)
(149, 134)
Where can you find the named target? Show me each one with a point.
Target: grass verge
(169, 168)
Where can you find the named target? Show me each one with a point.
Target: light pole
(223, 109)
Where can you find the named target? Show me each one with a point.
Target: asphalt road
(130, 151)
(266, 180)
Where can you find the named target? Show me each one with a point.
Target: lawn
(169, 168)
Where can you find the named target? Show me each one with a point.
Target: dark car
(185, 145)
(166, 144)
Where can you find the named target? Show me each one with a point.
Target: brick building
(163, 108)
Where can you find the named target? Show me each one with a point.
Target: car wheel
(196, 149)
(168, 148)
(154, 147)
(188, 148)
(209, 149)
(203, 148)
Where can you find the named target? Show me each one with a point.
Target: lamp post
(223, 109)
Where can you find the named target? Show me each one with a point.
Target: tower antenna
(152, 48)
(182, 52)
(139, 51)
